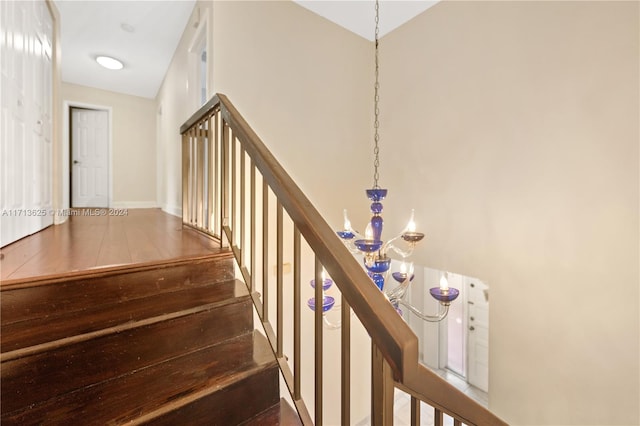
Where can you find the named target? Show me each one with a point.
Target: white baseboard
(59, 219)
(134, 205)
(173, 210)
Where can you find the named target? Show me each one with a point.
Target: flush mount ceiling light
(109, 62)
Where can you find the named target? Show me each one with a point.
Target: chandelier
(374, 250)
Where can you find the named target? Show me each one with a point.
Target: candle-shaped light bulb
(444, 283)
(411, 226)
(323, 275)
(347, 222)
(411, 268)
(403, 268)
(368, 232)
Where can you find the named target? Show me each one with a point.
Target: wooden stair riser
(37, 331)
(279, 414)
(27, 301)
(34, 379)
(131, 395)
(230, 405)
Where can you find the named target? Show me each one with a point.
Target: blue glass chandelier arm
(347, 232)
(387, 245)
(330, 325)
(396, 295)
(403, 253)
(327, 303)
(368, 246)
(444, 310)
(337, 309)
(351, 246)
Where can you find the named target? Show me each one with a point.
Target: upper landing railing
(234, 189)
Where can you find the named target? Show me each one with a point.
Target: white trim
(134, 205)
(159, 152)
(201, 34)
(173, 210)
(66, 146)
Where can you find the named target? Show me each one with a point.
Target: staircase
(170, 344)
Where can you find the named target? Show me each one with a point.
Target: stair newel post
(209, 171)
(199, 151)
(216, 184)
(382, 386)
(232, 222)
(185, 178)
(415, 411)
(279, 283)
(253, 228)
(241, 245)
(192, 176)
(319, 299)
(297, 391)
(265, 251)
(224, 210)
(345, 360)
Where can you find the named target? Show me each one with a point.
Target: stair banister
(394, 345)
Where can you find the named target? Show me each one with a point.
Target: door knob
(472, 318)
(472, 328)
(472, 285)
(76, 162)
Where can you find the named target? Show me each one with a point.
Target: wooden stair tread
(37, 331)
(157, 391)
(72, 366)
(25, 300)
(280, 414)
(163, 344)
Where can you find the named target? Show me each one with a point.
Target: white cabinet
(26, 132)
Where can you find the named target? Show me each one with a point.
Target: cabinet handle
(472, 328)
(472, 285)
(472, 318)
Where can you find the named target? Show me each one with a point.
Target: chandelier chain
(376, 110)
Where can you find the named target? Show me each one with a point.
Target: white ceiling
(90, 28)
(358, 15)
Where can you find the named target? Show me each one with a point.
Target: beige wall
(134, 143)
(513, 128)
(302, 83)
(176, 105)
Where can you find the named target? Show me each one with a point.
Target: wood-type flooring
(88, 241)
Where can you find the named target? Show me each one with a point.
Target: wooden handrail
(385, 327)
(388, 331)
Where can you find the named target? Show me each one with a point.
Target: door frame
(66, 153)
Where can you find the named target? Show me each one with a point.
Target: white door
(457, 329)
(478, 335)
(26, 131)
(42, 100)
(89, 158)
